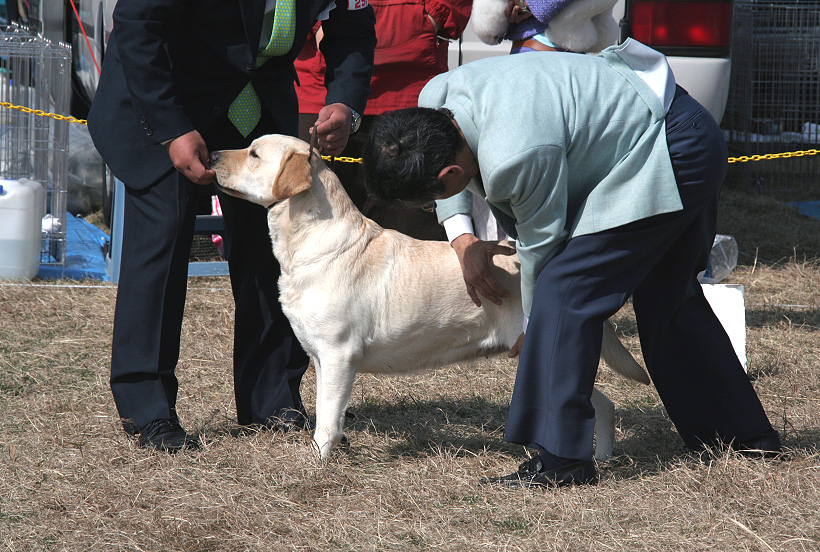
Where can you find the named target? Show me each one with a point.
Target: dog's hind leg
(334, 383)
(604, 424)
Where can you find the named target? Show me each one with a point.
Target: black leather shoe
(167, 436)
(293, 421)
(548, 470)
(766, 446)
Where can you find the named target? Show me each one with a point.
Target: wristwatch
(357, 120)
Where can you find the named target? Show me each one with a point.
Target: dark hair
(405, 153)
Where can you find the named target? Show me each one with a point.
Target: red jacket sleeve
(451, 15)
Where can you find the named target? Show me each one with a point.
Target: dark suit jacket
(173, 66)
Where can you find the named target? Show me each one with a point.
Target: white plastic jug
(20, 229)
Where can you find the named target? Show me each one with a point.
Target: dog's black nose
(214, 156)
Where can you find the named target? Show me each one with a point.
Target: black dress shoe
(548, 470)
(766, 445)
(167, 436)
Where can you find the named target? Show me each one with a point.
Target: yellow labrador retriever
(364, 299)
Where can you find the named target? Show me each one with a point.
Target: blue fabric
(84, 256)
(543, 12)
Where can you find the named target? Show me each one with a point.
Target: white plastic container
(20, 229)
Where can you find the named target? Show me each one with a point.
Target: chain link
(741, 159)
(342, 159)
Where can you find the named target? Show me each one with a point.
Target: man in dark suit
(173, 78)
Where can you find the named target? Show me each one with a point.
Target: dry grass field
(71, 480)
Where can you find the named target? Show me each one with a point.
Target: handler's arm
(349, 45)
(142, 28)
(538, 197)
(476, 258)
(449, 17)
(474, 255)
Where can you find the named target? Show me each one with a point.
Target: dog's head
(273, 168)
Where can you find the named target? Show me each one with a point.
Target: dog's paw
(325, 442)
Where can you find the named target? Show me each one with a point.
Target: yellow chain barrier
(42, 113)
(767, 156)
(741, 159)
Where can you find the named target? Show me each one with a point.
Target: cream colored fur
(364, 299)
(583, 26)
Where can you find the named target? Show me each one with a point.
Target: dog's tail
(618, 358)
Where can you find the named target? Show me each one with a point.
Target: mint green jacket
(567, 145)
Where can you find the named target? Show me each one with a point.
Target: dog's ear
(294, 176)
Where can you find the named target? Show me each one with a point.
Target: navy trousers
(689, 356)
(157, 234)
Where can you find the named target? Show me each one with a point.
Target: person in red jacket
(413, 38)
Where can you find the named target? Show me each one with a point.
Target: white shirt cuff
(457, 225)
(526, 321)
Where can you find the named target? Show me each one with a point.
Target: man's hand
(190, 156)
(517, 12)
(333, 127)
(476, 258)
(516, 349)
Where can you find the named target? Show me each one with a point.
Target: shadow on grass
(420, 428)
(808, 319)
(647, 442)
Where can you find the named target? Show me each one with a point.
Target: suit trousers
(689, 356)
(158, 228)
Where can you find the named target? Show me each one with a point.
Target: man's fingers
(198, 172)
(491, 297)
(471, 291)
(492, 287)
(199, 175)
(325, 128)
(508, 11)
(517, 346)
(503, 250)
(333, 147)
(493, 291)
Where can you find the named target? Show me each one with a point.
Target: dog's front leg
(604, 425)
(334, 383)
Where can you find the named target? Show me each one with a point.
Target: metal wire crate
(774, 97)
(36, 73)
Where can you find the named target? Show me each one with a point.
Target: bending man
(608, 178)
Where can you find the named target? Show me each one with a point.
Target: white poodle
(582, 26)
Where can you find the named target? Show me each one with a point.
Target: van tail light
(682, 25)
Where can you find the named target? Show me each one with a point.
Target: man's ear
(293, 177)
(450, 171)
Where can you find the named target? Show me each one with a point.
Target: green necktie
(245, 111)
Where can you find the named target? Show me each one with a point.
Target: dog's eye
(254, 154)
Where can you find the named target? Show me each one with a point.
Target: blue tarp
(808, 208)
(84, 255)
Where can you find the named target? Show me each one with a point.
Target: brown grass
(71, 480)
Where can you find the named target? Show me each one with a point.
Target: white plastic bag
(722, 260)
